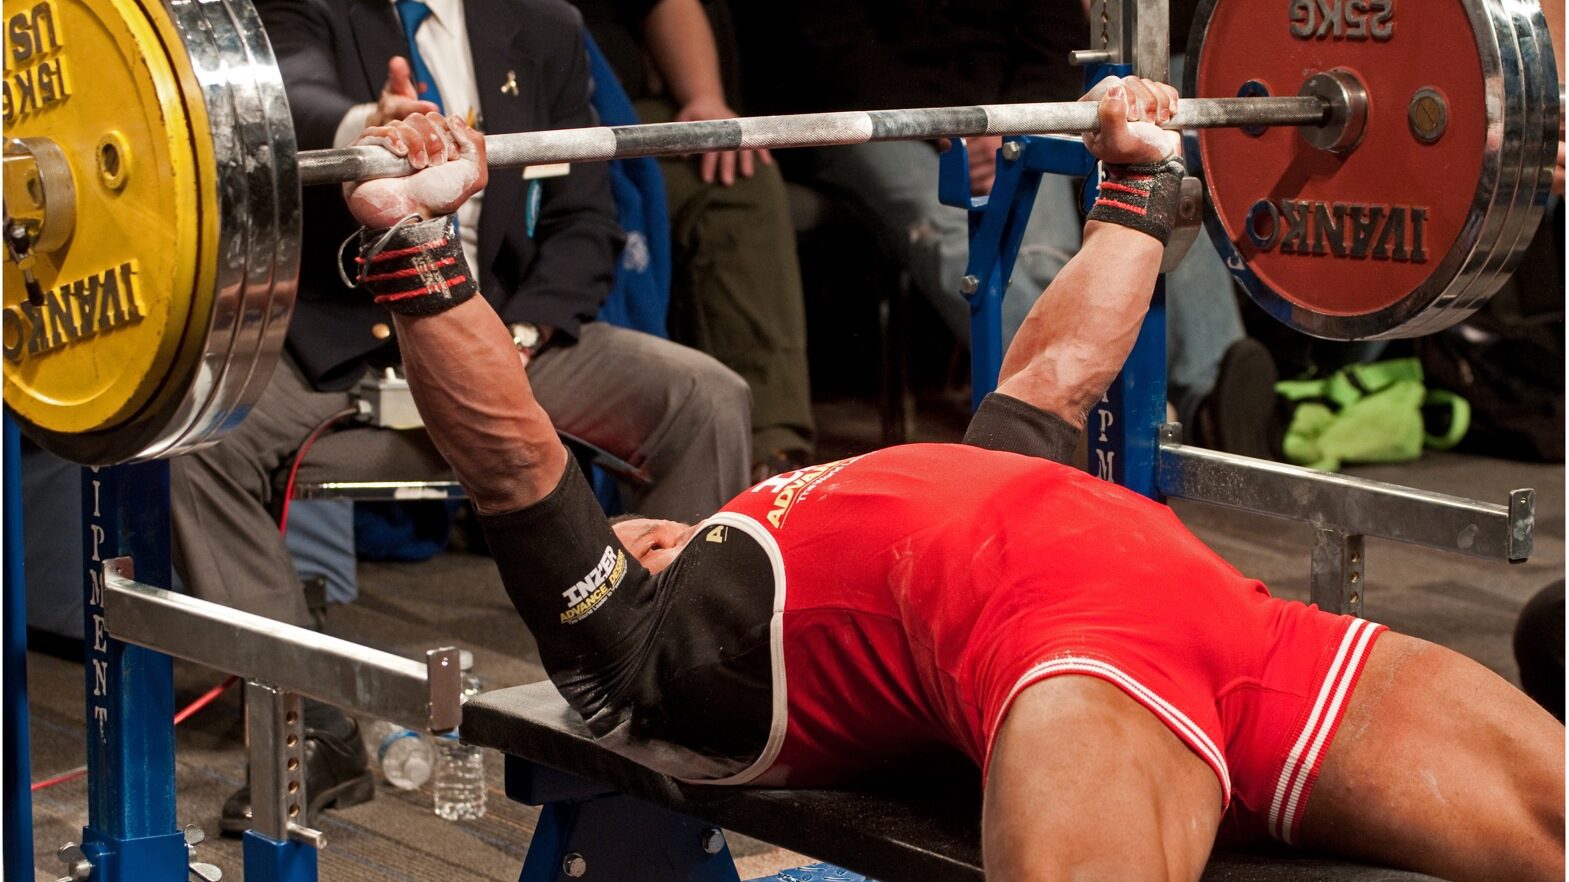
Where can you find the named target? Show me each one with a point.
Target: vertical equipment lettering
(36, 74)
(98, 646)
(129, 689)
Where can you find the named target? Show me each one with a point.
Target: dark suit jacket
(333, 55)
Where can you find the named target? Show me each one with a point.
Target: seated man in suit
(735, 288)
(1126, 693)
(543, 256)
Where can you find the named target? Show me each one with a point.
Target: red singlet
(920, 588)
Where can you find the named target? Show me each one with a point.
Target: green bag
(1369, 413)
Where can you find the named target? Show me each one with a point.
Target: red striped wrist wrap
(1142, 196)
(417, 270)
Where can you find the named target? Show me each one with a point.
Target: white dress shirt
(443, 43)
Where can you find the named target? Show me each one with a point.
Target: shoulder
(728, 549)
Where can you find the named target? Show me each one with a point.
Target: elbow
(514, 479)
(1065, 381)
(493, 498)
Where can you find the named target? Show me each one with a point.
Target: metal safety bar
(810, 130)
(420, 695)
(276, 726)
(1348, 505)
(380, 491)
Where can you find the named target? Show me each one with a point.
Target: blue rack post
(17, 764)
(1124, 429)
(131, 834)
(272, 853)
(997, 224)
(269, 860)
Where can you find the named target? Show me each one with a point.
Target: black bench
(920, 825)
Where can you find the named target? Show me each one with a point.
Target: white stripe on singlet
(781, 706)
(1315, 732)
(1179, 722)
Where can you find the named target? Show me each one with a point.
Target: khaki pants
(736, 288)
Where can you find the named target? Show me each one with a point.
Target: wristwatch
(527, 337)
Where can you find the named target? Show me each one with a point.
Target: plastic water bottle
(460, 768)
(406, 759)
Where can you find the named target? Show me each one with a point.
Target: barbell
(152, 186)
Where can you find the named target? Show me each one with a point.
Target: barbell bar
(1360, 187)
(812, 130)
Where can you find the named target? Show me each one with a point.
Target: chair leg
(896, 400)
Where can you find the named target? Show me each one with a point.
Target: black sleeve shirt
(672, 670)
(676, 670)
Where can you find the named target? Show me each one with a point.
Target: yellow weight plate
(128, 297)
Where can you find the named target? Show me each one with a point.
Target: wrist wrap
(417, 269)
(1143, 196)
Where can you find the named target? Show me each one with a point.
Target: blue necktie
(413, 14)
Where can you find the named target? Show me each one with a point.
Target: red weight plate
(1352, 245)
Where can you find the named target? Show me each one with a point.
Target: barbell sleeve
(809, 130)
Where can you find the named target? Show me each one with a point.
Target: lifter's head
(653, 542)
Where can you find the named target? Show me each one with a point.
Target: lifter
(1127, 694)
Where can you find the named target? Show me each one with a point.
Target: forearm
(466, 375)
(1080, 331)
(681, 42)
(478, 407)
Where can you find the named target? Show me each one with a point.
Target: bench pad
(908, 824)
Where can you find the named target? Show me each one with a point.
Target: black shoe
(1239, 416)
(337, 775)
(315, 590)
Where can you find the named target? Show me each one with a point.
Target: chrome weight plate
(257, 274)
(1479, 276)
(1538, 143)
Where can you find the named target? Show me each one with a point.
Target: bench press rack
(600, 810)
(134, 629)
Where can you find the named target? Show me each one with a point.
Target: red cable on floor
(299, 457)
(181, 716)
(72, 775)
(206, 698)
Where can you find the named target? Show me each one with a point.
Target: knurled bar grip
(809, 130)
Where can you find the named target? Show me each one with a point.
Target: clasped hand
(449, 162)
(1131, 111)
